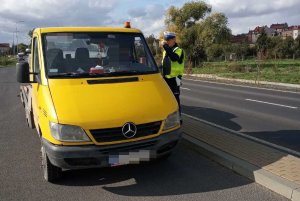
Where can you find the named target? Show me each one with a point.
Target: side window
(36, 62)
(140, 50)
(142, 55)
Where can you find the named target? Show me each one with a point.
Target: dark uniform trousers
(175, 89)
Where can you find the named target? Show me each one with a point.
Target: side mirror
(23, 72)
(27, 51)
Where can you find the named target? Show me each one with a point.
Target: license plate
(129, 158)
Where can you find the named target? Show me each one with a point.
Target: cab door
(36, 78)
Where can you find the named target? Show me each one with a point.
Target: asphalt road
(271, 115)
(186, 175)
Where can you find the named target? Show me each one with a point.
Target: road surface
(271, 115)
(186, 175)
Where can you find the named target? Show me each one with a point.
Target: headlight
(173, 120)
(68, 133)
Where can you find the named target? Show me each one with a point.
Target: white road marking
(290, 151)
(185, 88)
(258, 101)
(237, 85)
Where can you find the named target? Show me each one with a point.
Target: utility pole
(13, 45)
(17, 34)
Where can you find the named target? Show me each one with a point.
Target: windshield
(96, 54)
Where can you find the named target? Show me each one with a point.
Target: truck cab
(96, 98)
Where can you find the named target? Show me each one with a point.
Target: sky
(145, 15)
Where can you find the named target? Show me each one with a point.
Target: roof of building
(297, 27)
(4, 45)
(279, 26)
(259, 29)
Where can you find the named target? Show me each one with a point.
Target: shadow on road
(285, 138)
(212, 115)
(183, 173)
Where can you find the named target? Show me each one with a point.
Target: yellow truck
(96, 98)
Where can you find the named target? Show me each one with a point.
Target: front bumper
(89, 156)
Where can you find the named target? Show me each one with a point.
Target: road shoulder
(253, 83)
(274, 169)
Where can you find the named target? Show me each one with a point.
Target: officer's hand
(163, 43)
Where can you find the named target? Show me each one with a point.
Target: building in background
(287, 33)
(279, 28)
(240, 38)
(254, 34)
(283, 30)
(4, 48)
(296, 31)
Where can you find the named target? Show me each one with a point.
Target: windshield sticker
(53, 70)
(111, 36)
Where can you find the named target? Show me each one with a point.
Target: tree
(288, 45)
(263, 44)
(240, 50)
(214, 51)
(151, 40)
(296, 47)
(274, 47)
(188, 15)
(198, 30)
(30, 32)
(22, 47)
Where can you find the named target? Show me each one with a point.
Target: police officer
(173, 64)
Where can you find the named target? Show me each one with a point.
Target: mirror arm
(33, 73)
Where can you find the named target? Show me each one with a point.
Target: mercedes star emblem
(129, 130)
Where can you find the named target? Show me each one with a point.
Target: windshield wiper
(85, 74)
(62, 75)
(129, 73)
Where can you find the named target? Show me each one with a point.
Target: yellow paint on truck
(95, 102)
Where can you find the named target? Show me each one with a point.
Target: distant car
(20, 57)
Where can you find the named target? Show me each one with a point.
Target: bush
(236, 68)
(6, 61)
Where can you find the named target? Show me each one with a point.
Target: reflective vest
(176, 67)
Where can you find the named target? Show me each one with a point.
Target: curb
(267, 179)
(275, 85)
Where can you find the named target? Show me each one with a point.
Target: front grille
(129, 147)
(115, 134)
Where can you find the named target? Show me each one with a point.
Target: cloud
(153, 11)
(145, 15)
(245, 8)
(150, 19)
(137, 12)
(46, 13)
(244, 15)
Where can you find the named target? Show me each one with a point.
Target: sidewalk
(276, 85)
(269, 167)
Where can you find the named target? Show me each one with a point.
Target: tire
(30, 120)
(22, 99)
(164, 157)
(51, 173)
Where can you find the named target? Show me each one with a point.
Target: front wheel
(51, 173)
(30, 120)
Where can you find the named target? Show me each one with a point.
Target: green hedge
(285, 71)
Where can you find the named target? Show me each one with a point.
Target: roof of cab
(86, 29)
